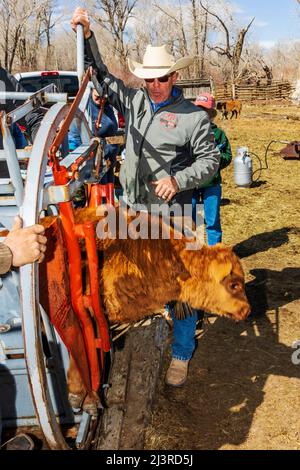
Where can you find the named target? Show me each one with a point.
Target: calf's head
(216, 283)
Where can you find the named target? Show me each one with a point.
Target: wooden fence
(245, 92)
(193, 87)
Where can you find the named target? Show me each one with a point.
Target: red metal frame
(97, 339)
(96, 193)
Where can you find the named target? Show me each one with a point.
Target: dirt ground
(243, 388)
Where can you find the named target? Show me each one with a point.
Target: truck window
(64, 83)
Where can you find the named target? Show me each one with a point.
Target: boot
(19, 442)
(177, 373)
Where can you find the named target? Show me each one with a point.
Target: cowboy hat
(157, 62)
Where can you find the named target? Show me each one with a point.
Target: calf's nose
(245, 311)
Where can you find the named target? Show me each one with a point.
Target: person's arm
(92, 57)
(119, 95)
(206, 155)
(25, 245)
(225, 150)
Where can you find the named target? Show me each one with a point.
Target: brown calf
(139, 276)
(234, 107)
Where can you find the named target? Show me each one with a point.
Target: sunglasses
(163, 79)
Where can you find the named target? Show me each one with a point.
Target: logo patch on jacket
(169, 120)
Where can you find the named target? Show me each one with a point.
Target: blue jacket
(18, 136)
(109, 127)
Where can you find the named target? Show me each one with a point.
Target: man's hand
(26, 244)
(80, 16)
(166, 188)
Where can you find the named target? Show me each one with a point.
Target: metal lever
(80, 52)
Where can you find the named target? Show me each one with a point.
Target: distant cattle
(234, 107)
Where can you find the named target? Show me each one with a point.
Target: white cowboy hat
(157, 62)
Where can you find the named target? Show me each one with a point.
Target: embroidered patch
(169, 120)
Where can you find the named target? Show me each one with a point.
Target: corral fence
(193, 87)
(244, 91)
(251, 92)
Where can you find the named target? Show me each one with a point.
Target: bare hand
(80, 16)
(26, 244)
(166, 188)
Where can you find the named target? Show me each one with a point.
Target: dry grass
(243, 390)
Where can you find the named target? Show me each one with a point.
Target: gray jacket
(176, 140)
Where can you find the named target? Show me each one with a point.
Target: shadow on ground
(262, 242)
(229, 370)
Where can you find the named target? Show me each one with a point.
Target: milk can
(243, 168)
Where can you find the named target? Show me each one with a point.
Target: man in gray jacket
(169, 149)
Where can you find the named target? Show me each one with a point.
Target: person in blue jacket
(108, 128)
(18, 136)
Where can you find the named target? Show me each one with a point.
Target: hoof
(91, 405)
(76, 401)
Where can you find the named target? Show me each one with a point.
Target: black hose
(266, 167)
(260, 167)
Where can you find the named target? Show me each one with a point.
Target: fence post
(212, 86)
(233, 91)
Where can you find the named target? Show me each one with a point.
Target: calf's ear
(218, 270)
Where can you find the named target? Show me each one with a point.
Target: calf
(139, 276)
(234, 107)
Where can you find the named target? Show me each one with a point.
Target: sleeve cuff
(5, 258)
(179, 181)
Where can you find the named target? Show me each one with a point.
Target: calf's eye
(234, 286)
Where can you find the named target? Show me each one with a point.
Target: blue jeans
(184, 337)
(184, 330)
(212, 200)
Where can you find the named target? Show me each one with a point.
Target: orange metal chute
(54, 293)
(94, 340)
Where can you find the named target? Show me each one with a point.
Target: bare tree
(199, 37)
(48, 22)
(195, 23)
(14, 16)
(203, 45)
(26, 27)
(114, 17)
(176, 29)
(233, 47)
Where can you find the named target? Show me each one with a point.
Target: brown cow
(233, 106)
(139, 276)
